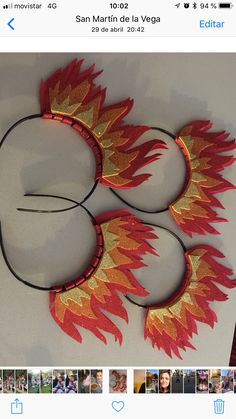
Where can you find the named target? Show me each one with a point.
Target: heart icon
(118, 406)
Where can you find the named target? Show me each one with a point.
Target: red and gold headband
(171, 325)
(71, 96)
(192, 210)
(123, 241)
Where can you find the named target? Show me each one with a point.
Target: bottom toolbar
(125, 406)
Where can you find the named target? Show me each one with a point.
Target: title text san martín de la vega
(115, 19)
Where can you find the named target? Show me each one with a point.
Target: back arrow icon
(10, 24)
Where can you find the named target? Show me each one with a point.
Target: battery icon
(225, 5)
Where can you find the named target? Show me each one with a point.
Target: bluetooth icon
(194, 5)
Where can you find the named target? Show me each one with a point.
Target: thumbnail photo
(1, 381)
(71, 381)
(96, 381)
(215, 381)
(9, 381)
(227, 377)
(84, 381)
(139, 381)
(165, 381)
(34, 381)
(115, 168)
(202, 381)
(118, 381)
(21, 381)
(177, 381)
(58, 383)
(46, 381)
(189, 381)
(152, 381)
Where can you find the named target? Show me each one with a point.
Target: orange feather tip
(171, 326)
(125, 242)
(71, 96)
(192, 210)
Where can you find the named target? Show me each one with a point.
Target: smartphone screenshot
(117, 228)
